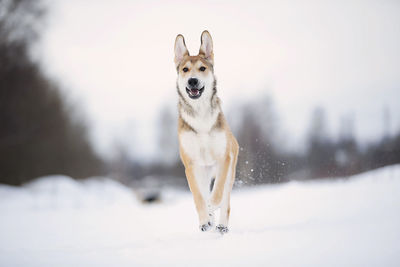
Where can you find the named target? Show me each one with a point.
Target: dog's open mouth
(194, 93)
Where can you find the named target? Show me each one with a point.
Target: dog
(207, 147)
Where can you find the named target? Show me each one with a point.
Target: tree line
(40, 136)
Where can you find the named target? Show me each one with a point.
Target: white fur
(203, 122)
(204, 148)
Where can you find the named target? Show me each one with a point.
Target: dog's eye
(202, 68)
(185, 69)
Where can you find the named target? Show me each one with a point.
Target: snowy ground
(56, 221)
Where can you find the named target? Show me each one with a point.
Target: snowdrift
(57, 221)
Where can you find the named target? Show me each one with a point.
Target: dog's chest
(203, 121)
(204, 149)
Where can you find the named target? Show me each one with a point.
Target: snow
(57, 221)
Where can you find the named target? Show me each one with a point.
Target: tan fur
(225, 156)
(198, 199)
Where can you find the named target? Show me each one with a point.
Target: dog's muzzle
(194, 93)
(193, 89)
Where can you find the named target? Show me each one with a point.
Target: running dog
(207, 147)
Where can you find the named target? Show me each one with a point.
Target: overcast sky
(116, 59)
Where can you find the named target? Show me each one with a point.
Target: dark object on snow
(151, 197)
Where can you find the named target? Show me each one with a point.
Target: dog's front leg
(195, 177)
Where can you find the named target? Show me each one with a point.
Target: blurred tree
(347, 154)
(321, 152)
(19, 21)
(386, 119)
(387, 150)
(167, 136)
(259, 158)
(37, 134)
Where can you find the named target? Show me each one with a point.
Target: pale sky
(116, 59)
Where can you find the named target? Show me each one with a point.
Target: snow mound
(57, 221)
(61, 192)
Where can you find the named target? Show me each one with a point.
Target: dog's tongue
(194, 91)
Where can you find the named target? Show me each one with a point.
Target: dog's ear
(180, 49)
(206, 48)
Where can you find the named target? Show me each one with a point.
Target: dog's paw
(205, 227)
(222, 229)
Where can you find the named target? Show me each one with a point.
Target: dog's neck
(201, 115)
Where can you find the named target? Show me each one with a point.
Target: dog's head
(195, 73)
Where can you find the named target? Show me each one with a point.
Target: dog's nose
(193, 82)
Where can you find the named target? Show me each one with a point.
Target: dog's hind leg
(222, 227)
(220, 182)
